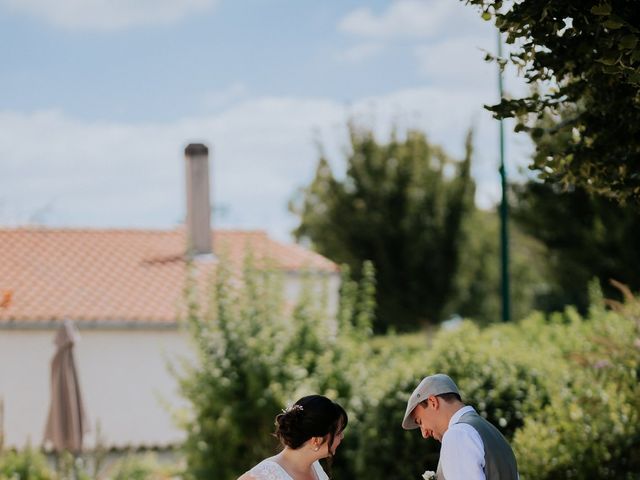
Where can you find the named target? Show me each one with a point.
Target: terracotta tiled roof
(118, 275)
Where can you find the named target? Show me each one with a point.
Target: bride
(311, 429)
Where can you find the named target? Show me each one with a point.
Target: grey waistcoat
(499, 460)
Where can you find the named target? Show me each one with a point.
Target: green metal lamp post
(504, 210)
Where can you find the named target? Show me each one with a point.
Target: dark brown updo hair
(311, 416)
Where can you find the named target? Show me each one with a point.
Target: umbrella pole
(74, 470)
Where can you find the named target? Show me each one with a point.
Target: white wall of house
(293, 286)
(123, 374)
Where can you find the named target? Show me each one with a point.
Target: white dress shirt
(462, 452)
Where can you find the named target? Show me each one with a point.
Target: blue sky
(98, 99)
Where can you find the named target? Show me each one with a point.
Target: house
(123, 290)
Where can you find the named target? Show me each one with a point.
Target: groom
(472, 448)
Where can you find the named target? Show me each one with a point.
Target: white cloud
(445, 36)
(108, 14)
(71, 172)
(409, 18)
(360, 52)
(459, 61)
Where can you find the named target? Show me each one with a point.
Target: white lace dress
(270, 470)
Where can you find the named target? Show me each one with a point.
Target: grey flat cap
(433, 385)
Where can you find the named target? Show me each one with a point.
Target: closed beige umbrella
(67, 422)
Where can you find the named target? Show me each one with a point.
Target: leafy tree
(254, 356)
(477, 292)
(582, 56)
(563, 388)
(586, 236)
(401, 205)
(237, 383)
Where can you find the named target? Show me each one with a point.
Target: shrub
(254, 357)
(591, 428)
(138, 467)
(28, 464)
(564, 389)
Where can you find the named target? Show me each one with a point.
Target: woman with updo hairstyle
(309, 430)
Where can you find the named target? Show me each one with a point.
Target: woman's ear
(316, 442)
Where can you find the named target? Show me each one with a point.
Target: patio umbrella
(67, 422)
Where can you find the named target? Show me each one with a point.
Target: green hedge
(31, 464)
(563, 389)
(28, 464)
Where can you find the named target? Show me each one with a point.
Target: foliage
(586, 235)
(401, 205)
(477, 292)
(31, 464)
(503, 384)
(254, 357)
(563, 389)
(583, 57)
(28, 464)
(70, 467)
(598, 239)
(383, 446)
(238, 383)
(591, 428)
(138, 467)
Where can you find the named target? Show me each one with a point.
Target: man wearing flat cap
(472, 448)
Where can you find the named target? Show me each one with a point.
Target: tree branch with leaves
(581, 56)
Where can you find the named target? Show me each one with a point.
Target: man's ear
(434, 402)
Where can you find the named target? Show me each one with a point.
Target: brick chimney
(198, 207)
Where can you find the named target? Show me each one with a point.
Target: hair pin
(293, 408)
